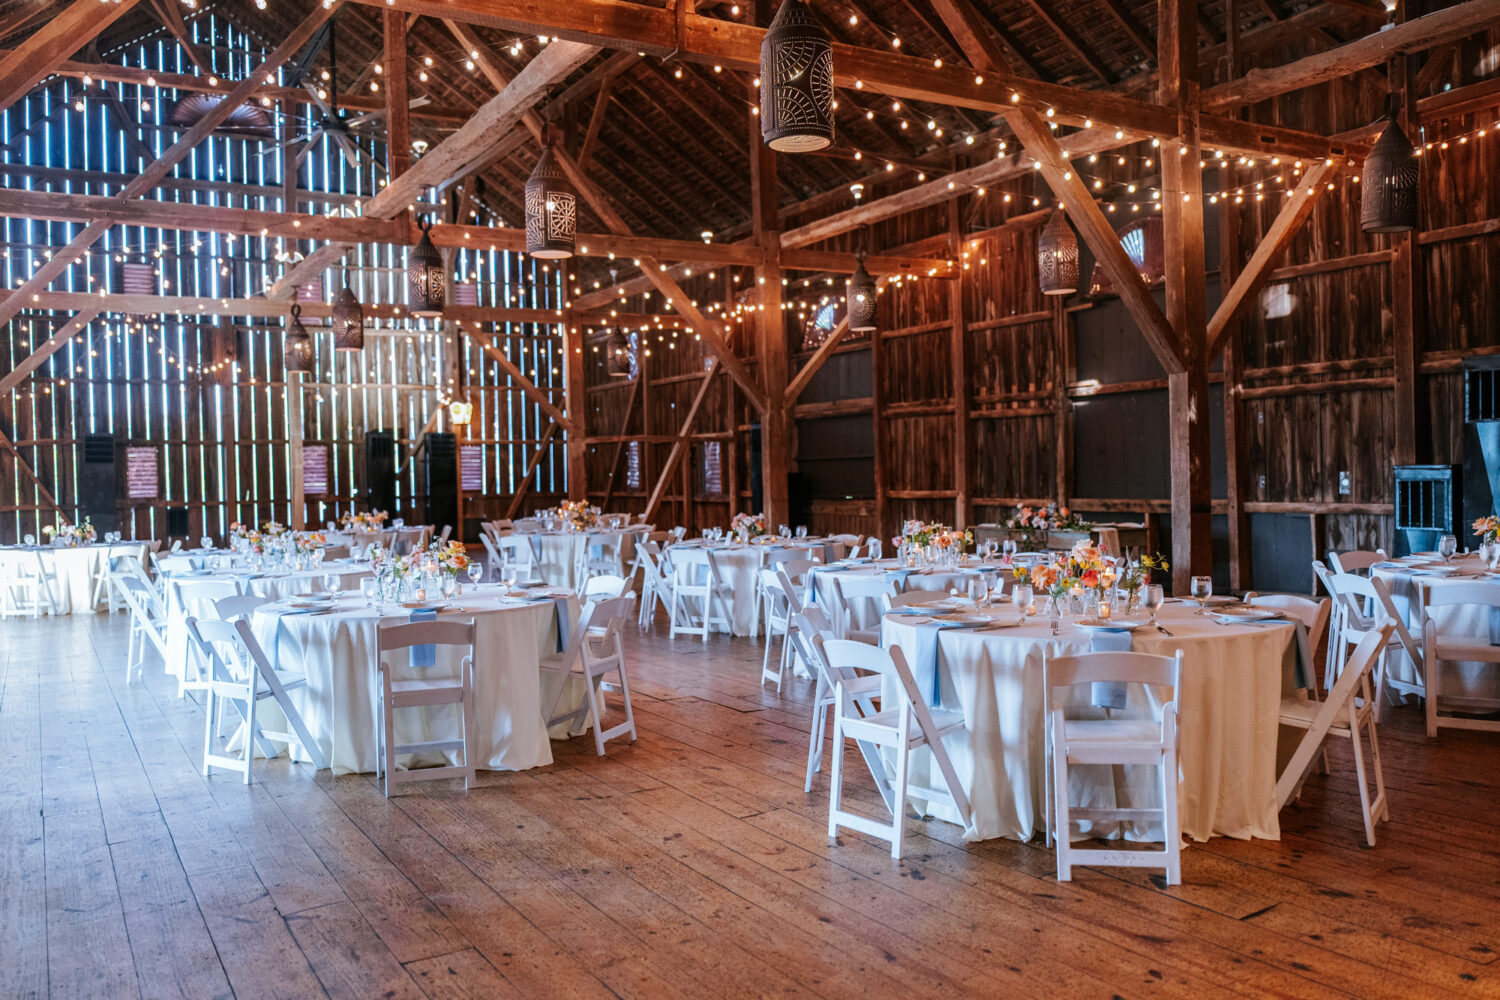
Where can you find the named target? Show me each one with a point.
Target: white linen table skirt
(1473, 682)
(338, 653)
(1228, 705)
(75, 569)
(558, 552)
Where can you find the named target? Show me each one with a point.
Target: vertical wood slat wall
(211, 392)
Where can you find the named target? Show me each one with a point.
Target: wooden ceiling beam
(60, 36)
(1068, 34)
(49, 347)
(1446, 25)
(1132, 29)
(170, 15)
(1268, 253)
(157, 170)
(455, 155)
(183, 305)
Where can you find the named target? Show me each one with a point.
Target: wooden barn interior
(1207, 285)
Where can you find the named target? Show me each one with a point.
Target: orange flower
(1090, 578)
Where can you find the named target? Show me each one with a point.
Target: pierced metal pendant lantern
(796, 81)
(348, 320)
(617, 355)
(1057, 257)
(551, 210)
(1388, 186)
(297, 349)
(426, 278)
(861, 294)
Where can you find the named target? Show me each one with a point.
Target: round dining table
(865, 613)
(337, 650)
(1233, 679)
(558, 553)
(1410, 581)
(739, 562)
(72, 572)
(236, 578)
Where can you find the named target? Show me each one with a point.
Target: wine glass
(510, 580)
(30, 539)
(475, 571)
(979, 591)
(1447, 546)
(1022, 595)
(1152, 599)
(205, 542)
(449, 585)
(1202, 588)
(801, 531)
(1009, 548)
(783, 531)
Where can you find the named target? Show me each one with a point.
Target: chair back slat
(433, 633)
(1112, 667)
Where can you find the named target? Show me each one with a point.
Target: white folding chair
(695, 576)
(241, 676)
(519, 557)
(25, 586)
(594, 652)
(1362, 605)
(1355, 560)
(1439, 647)
(599, 555)
(603, 586)
(853, 595)
(777, 607)
(1348, 709)
(903, 728)
(446, 533)
(493, 563)
(1313, 614)
(1151, 742)
(148, 623)
(656, 582)
(803, 626)
(422, 693)
(198, 599)
(227, 609)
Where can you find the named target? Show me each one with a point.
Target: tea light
(1104, 608)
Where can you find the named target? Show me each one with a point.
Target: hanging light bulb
(1057, 257)
(426, 278)
(348, 320)
(861, 292)
(551, 210)
(617, 355)
(796, 72)
(1388, 184)
(297, 350)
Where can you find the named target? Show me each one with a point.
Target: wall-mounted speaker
(98, 483)
(440, 479)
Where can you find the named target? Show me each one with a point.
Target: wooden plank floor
(688, 865)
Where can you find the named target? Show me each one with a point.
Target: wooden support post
(963, 427)
(574, 439)
(680, 446)
(770, 330)
(877, 433)
(1063, 372)
(397, 95)
(1411, 440)
(1236, 453)
(294, 429)
(1182, 217)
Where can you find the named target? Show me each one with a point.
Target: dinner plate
(424, 605)
(1248, 614)
(1436, 570)
(310, 604)
(1216, 600)
(965, 621)
(1109, 624)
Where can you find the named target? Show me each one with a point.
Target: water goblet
(370, 587)
(801, 531)
(203, 543)
(1447, 546)
(475, 571)
(1202, 588)
(30, 539)
(979, 591)
(449, 584)
(1023, 595)
(1152, 599)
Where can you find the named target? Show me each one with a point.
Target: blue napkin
(424, 656)
(900, 575)
(564, 626)
(925, 669)
(1109, 695)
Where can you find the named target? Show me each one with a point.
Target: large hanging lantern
(426, 278)
(861, 295)
(551, 210)
(1057, 257)
(617, 355)
(297, 349)
(348, 322)
(1388, 186)
(796, 81)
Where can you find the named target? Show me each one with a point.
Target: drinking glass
(1009, 548)
(475, 571)
(979, 591)
(510, 580)
(801, 531)
(333, 583)
(370, 587)
(449, 584)
(1202, 589)
(30, 539)
(1447, 546)
(1152, 599)
(203, 543)
(1023, 595)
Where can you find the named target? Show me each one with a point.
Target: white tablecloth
(1409, 589)
(558, 551)
(76, 569)
(866, 613)
(738, 565)
(271, 586)
(338, 653)
(1233, 679)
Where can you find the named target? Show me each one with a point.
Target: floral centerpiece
(238, 530)
(1488, 528)
(72, 535)
(578, 515)
(748, 526)
(1083, 567)
(308, 542)
(931, 540)
(1033, 523)
(1137, 573)
(273, 528)
(451, 557)
(372, 520)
